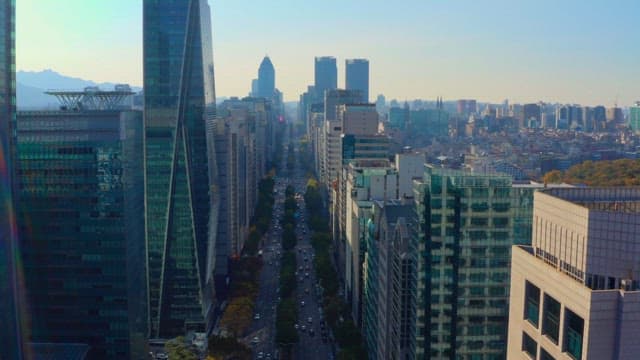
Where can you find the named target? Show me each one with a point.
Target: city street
(314, 339)
(263, 327)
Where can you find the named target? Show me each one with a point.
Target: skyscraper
(181, 173)
(266, 79)
(467, 224)
(357, 76)
(10, 341)
(81, 186)
(326, 74)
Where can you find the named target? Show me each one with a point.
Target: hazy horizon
(567, 52)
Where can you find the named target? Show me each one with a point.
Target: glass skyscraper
(10, 347)
(357, 76)
(180, 191)
(80, 183)
(266, 79)
(462, 247)
(326, 74)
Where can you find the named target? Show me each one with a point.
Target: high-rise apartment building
(266, 79)
(10, 334)
(326, 74)
(81, 186)
(575, 292)
(466, 224)
(357, 76)
(181, 171)
(634, 117)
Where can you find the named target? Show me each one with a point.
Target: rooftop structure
(92, 98)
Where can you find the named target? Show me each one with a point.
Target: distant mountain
(31, 85)
(33, 98)
(51, 80)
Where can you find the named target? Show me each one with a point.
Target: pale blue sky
(568, 51)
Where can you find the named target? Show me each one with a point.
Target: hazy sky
(578, 51)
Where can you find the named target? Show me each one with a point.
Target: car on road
(256, 317)
(306, 290)
(302, 303)
(260, 355)
(310, 320)
(303, 328)
(306, 274)
(255, 340)
(296, 326)
(311, 332)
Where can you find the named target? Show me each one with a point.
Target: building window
(551, 318)
(544, 355)
(531, 303)
(529, 346)
(573, 331)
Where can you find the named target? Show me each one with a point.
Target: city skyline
(524, 52)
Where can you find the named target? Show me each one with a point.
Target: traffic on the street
(315, 340)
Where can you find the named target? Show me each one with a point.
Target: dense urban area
(165, 223)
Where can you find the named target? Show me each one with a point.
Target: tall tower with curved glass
(180, 174)
(266, 79)
(10, 347)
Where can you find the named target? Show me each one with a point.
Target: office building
(387, 305)
(358, 119)
(181, 172)
(10, 334)
(266, 79)
(575, 292)
(634, 117)
(429, 122)
(467, 107)
(467, 224)
(364, 181)
(336, 97)
(357, 76)
(332, 131)
(615, 115)
(531, 115)
(326, 74)
(399, 116)
(81, 186)
(241, 132)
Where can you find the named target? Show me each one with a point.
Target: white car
(310, 320)
(256, 317)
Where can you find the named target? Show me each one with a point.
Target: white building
(574, 292)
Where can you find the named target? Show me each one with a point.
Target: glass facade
(468, 222)
(180, 171)
(80, 185)
(634, 117)
(9, 335)
(357, 76)
(326, 74)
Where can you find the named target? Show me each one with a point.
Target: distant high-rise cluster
(451, 224)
